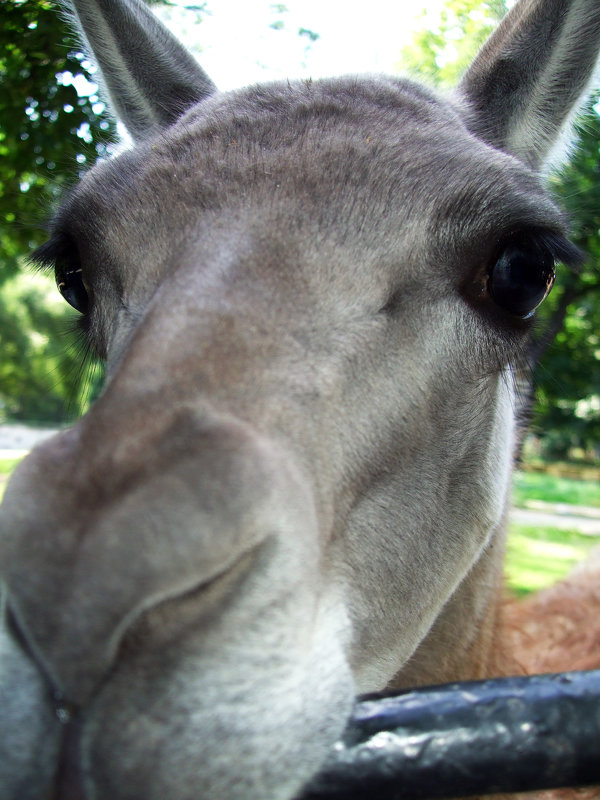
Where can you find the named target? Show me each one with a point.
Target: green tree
(52, 125)
(566, 349)
(51, 121)
(444, 44)
(43, 376)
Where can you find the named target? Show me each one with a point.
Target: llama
(312, 299)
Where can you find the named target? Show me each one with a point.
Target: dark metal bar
(504, 735)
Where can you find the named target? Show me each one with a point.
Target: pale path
(583, 519)
(16, 440)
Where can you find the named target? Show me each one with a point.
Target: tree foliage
(444, 44)
(52, 125)
(47, 126)
(43, 376)
(566, 348)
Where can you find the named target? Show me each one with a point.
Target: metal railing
(503, 735)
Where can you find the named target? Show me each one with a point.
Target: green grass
(549, 488)
(6, 467)
(538, 557)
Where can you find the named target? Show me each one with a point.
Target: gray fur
(294, 485)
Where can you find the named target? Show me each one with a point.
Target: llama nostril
(69, 783)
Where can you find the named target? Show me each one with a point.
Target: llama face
(311, 298)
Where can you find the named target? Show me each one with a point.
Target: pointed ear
(150, 78)
(532, 74)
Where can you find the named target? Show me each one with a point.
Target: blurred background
(54, 125)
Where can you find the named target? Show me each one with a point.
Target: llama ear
(532, 75)
(150, 78)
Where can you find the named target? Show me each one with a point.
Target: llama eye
(522, 278)
(70, 284)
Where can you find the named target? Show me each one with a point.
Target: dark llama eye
(522, 277)
(70, 284)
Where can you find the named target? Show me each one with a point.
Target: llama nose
(117, 541)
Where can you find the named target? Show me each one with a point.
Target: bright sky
(238, 46)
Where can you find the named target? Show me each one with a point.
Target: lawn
(539, 557)
(549, 488)
(6, 467)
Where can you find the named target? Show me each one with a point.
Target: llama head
(310, 298)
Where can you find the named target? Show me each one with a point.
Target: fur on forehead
(290, 132)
